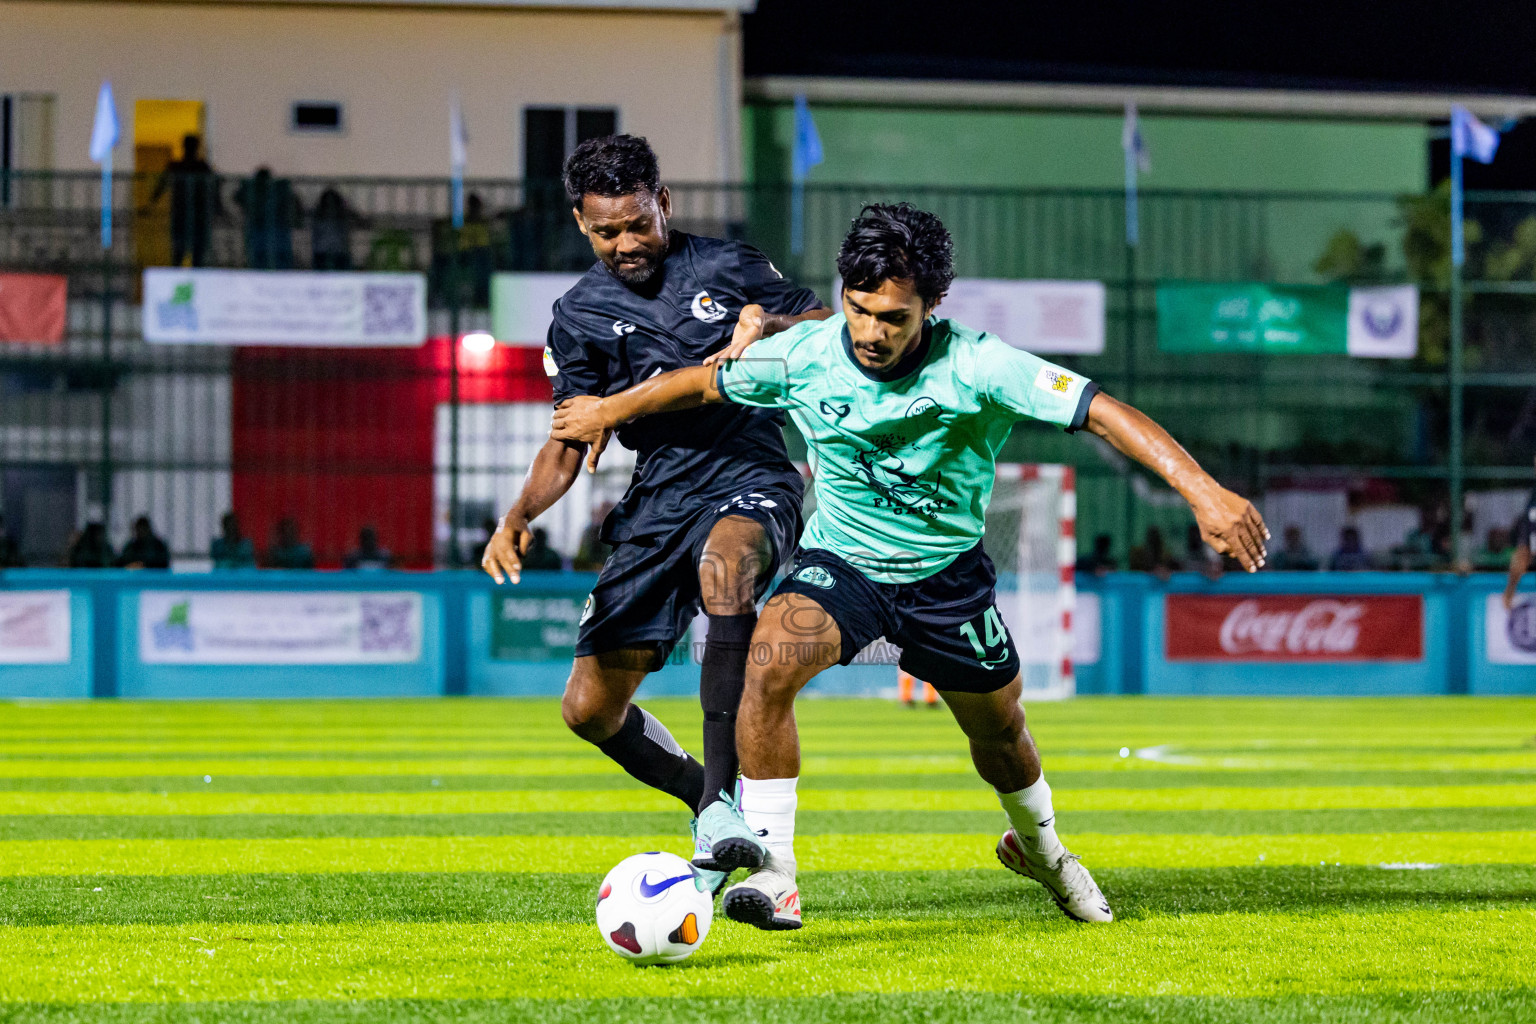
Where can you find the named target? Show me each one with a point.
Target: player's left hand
(1232, 526)
(749, 329)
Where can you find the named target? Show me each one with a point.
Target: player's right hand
(1233, 527)
(503, 558)
(749, 329)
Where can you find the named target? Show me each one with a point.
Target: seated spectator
(330, 231)
(369, 555)
(539, 554)
(1417, 552)
(1100, 561)
(1496, 552)
(231, 550)
(89, 549)
(271, 213)
(1294, 556)
(10, 554)
(592, 552)
(287, 551)
(1152, 556)
(144, 550)
(1351, 556)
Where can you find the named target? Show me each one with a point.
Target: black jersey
(607, 336)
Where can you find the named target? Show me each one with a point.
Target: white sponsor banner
(34, 627)
(1060, 317)
(317, 627)
(522, 305)
(1087, 638)
(1384, 322)
(267, 307)
(1510, 636)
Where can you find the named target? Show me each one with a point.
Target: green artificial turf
(1268, 860)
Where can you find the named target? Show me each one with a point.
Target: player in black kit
(714, 506)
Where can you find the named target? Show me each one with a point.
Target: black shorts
(648, 592)
(947, 625)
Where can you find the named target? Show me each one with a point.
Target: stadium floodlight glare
(478, 342)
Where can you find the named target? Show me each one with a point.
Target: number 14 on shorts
(995, 650)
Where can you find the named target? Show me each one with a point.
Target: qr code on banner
(388, 625)
(389, 309)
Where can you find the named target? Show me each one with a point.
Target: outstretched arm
(754, 325)
(1228, 522)
(587, 419)
(1519, 562)
(553, 471)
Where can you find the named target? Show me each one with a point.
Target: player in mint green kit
(904, 415)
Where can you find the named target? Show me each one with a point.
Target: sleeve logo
(550, 369)
(1051, 380)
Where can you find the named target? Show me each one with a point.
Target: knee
(772, 684)
(589, 712)
(727, 585)
(1007, 730)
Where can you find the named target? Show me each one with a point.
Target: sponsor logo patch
(816, 576)
(707, 309)
(550, 369)
(1051, 380)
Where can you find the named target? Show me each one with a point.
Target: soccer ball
(653, 908)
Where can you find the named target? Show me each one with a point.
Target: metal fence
(106, 427)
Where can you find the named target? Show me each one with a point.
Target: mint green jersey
(903, 461)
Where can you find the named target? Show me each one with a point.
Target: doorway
(159, 127)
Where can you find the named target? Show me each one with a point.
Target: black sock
(721, 678)
(645, 749)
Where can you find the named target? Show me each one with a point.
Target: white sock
(769, 807)
(1032, 817)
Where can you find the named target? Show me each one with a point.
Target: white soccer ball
(653, 908)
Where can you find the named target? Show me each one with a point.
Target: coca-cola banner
(1294, 627)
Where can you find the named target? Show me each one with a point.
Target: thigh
(645, 597)
(610, 678)
(795, 640)
(950, 631)
(749, 537)
(836, 595)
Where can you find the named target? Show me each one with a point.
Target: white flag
(458, 140)
(1470, 137)
(1132, 143)
(104, 132)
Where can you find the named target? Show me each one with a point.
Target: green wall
(1011, 149)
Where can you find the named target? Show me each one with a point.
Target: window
(26, 142)
(551, 133)
(310, 116)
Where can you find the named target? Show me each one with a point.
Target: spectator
(1351, 556)
(592, 552)
(462, 258)
(1200, 556)
(231, 550)
(271, 213)
(194, 202)
(144, 550)
(539, 554)
(89, 549)
(1294, 556)
(330, 231)
(1152, 556)
(287, 550)
(369, 555)
(1100, 562)
(1497, 549)
(10, 554)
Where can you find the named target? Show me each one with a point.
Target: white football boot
(767, 899)
(1068, 882)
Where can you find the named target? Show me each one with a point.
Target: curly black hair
(611, 165)
(898, 241)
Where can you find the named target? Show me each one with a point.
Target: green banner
(535, 627)
(1273, 319)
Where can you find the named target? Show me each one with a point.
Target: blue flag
(104, 136)
(1136, 162)
(1469, 138)
(805, 154)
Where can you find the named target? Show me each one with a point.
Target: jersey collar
(909, 363)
